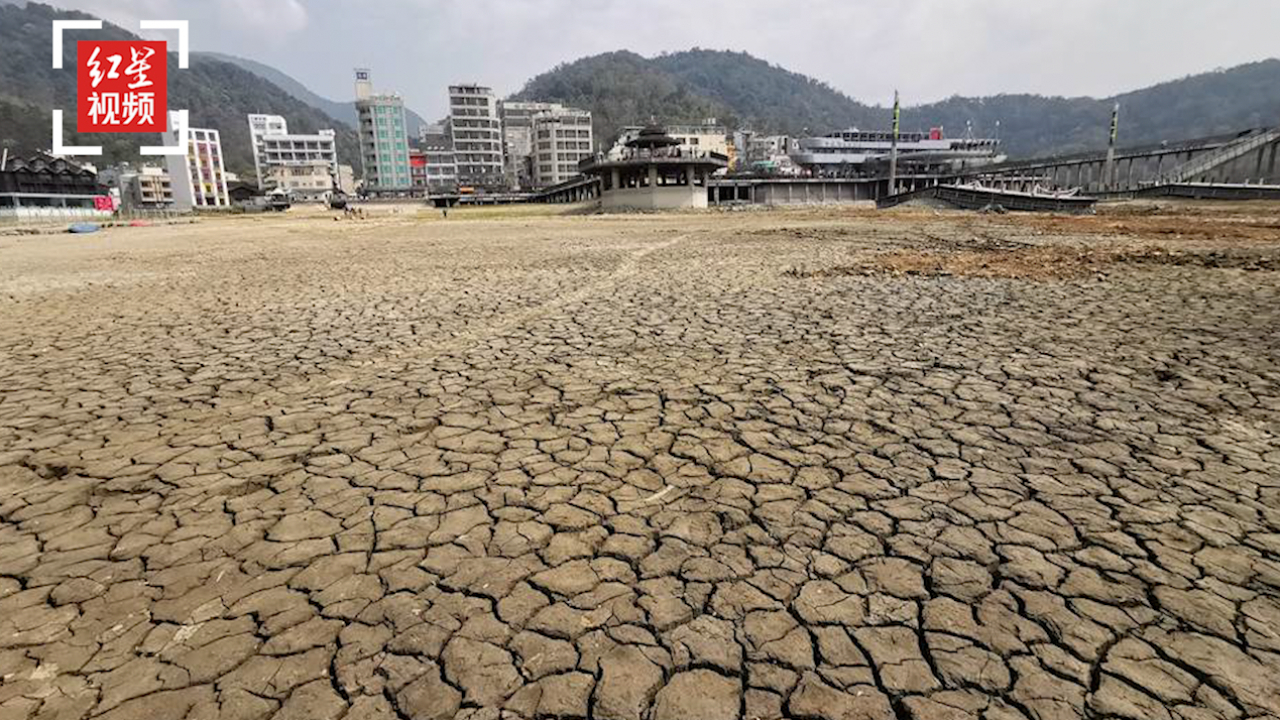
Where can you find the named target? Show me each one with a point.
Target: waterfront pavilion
(654, 173)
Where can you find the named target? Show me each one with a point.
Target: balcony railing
(660, 155)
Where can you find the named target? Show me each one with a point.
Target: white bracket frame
(59, 26)
(179, 118)
(183, 28)
(179, 121)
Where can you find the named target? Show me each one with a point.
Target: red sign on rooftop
(121, 86)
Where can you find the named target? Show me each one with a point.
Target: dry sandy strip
(811, 464)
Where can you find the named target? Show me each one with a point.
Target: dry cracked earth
(642, 468)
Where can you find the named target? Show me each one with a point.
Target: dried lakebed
(645, 467)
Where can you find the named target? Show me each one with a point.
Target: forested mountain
(218, 94)
(344, 111)
(765, 95)
(623, 88)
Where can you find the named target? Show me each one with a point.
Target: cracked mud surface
(631, 468)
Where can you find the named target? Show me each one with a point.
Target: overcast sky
(930, 49)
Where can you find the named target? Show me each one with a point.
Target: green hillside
(343, 111)
(219, 95)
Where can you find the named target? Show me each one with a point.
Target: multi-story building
(46, 186)
(436, 144)
(302, 180)
(763, 154)
(346, 178)
(384, 140)
(198, 178)
(418, 171)
(477, 136)
(294, 150)
(709, 136)
(274, 146)
(770, 146)
(517, 138)
(149, 187)
(561, 138)
(261, 126)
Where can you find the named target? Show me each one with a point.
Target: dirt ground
(820, 463)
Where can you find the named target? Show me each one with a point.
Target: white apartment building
(198, 177)
(477, 136)
(561, 138)
(303, 181)
(275, 147)
(261, 126)
(707, 136)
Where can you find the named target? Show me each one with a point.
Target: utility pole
(1109, 176)
(893, 146)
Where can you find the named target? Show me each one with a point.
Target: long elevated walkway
(1247, 157)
